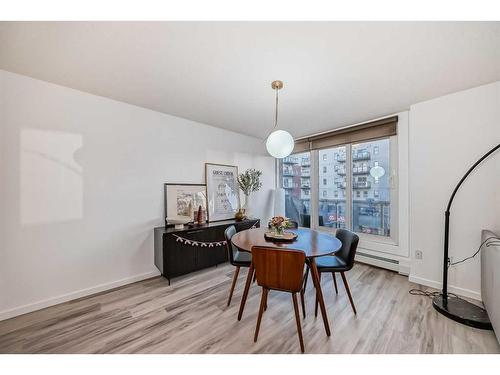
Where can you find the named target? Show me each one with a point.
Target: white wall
(81, 182)
(447, 135)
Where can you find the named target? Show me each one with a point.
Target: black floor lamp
(454, 308)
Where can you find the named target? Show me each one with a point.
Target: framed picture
(223, 196)
(183, 200)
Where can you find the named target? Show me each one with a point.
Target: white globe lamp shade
(279, 144)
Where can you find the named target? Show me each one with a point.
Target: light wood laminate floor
(191, 316)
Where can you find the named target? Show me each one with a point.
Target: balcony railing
(340, 158)
(361, 185)
(361, 155)
(290, 160)
(360, 171)
(288, 172)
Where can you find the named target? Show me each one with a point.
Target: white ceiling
(219, 73)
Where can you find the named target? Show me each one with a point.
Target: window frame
(315, 187)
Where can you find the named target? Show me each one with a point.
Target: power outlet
(419, 254)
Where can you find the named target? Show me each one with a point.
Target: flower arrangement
(279, 224)
(249, 181)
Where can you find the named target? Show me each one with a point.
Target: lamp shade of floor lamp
(453, 307)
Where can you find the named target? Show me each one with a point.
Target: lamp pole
(459, 309)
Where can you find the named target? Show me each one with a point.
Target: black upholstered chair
(341, 262)
(236, 258)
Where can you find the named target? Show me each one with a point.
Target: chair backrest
(231, 249)
(349, 245)
(279, 269)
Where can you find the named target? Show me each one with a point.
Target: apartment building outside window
(355, 188)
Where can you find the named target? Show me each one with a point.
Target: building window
(324, 193)
(324, 181)
(324, 169)
(324, 157)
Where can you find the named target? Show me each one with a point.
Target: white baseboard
(377, 262)
(6, 314)
(401, 264)
(453, 289)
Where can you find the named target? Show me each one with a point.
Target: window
(372, 215)
(354, 171)
(332, 211)
(368, 196)
(296, 176)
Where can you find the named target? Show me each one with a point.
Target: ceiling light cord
(276, 112)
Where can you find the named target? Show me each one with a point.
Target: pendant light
(279, 143)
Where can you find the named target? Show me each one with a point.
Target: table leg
(319, 294)
(245, 292)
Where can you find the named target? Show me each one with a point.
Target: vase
(247, 206)
(240, 215)
(279, 231)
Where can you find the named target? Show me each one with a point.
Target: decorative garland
(186, 241)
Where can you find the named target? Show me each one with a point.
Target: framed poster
(223, 196)
(183, 200)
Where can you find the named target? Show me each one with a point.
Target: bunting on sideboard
(187, 241)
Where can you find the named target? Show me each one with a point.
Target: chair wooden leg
(316, 303)
(335, 283)
(297, 320)
(265, 301)
(303, 303)
(348, 291)
(305, 278)
(245, 291)
(235, 277)
(261, 310)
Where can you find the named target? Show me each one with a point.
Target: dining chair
(236, 258)
(280, 270)
(341, 262)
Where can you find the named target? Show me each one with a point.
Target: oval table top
(313, 243)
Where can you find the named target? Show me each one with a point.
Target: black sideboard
(180, 251)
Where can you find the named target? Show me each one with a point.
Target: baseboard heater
(378, 261)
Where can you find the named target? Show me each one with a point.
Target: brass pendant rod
(276, 114)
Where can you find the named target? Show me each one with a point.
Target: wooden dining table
(312, 242)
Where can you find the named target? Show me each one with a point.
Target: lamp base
(462, 311)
